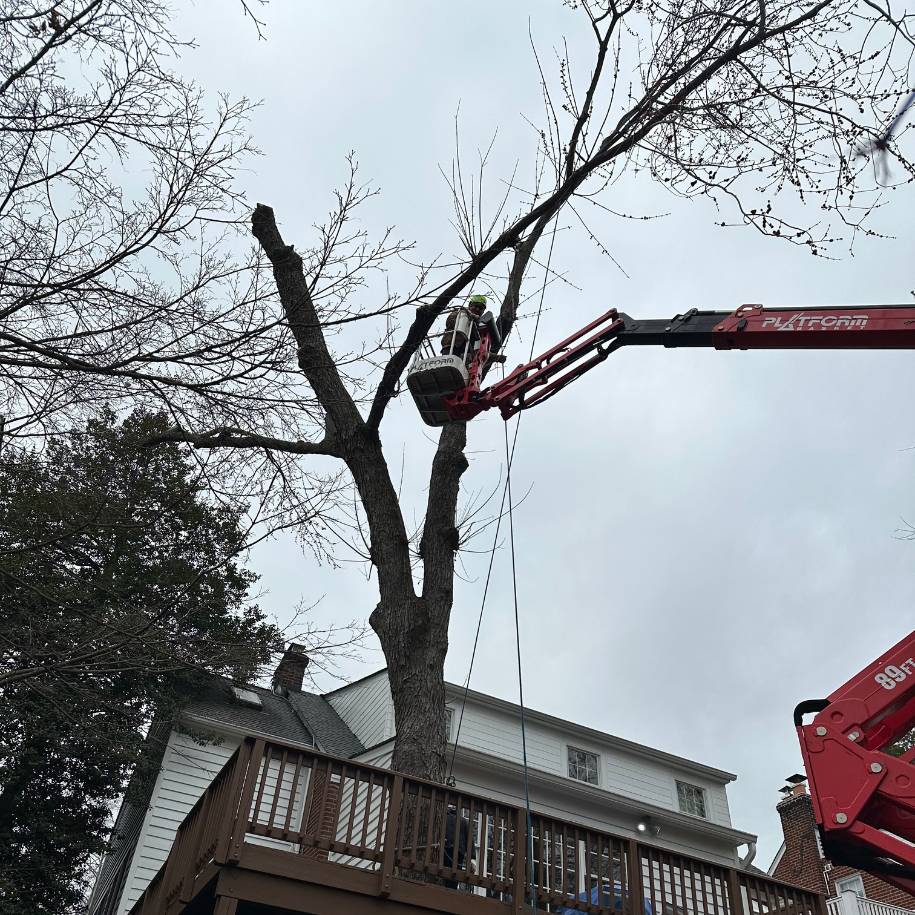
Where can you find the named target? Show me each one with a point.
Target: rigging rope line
(495, 539)
(507, 493)
(527, 791)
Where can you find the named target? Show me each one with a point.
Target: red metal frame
(549, 372)
(848, 327)
(863, 797)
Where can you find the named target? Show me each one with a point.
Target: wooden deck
(282, 829)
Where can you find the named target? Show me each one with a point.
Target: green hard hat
(477, 300)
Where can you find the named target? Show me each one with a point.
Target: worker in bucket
(464, 324)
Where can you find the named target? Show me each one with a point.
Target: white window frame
(702, 793)
(449, 722)
(857, 889)
(597, 765)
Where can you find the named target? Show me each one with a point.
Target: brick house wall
(803, 865)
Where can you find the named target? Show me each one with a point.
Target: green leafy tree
(121, 588)
(903, 745)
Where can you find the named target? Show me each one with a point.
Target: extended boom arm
(750, 327)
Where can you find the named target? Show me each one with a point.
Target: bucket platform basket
(439, 367)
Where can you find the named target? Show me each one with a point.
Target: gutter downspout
(748, 858)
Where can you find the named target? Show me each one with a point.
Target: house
(576, 773)
(800, 861)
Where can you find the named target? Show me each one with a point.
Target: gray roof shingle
(303, 718)
(331, 732)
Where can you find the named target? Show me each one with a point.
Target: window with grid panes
(691, 799)
(584, 766)
(449, 717)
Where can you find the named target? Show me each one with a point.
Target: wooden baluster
(322, 803)
(414, 832)
(427, 857)
(519, 861)
(280, 775)
(348, 839)
(618, 853)
(703, 909)
(390, 838)
(264, 771)
(471, 828)
(444, 834)
(663, 873)
(368, 808)
(290, 807)
(387, 786)
(684, 903)
(402, 824)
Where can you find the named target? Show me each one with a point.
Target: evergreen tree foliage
(121, 588)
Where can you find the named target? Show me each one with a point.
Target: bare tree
(759, 105)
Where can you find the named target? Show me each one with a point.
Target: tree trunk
(414, 638)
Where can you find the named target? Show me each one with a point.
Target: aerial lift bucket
(440, 368)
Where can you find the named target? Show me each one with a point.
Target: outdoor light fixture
(647, 825)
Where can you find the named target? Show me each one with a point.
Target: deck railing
(400, 828)
(850, 903)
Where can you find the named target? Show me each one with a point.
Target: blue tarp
(602, 897)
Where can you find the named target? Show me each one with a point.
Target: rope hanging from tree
(507, 493)
(527, 791)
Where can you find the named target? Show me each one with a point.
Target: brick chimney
(801, 863)
(290, 672)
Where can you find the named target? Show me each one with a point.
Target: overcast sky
(709, 537)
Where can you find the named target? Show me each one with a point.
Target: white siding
(380, 756)
(367, 709)
(497, 733)
(187, 769)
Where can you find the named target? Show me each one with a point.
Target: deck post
(224, 834)
(390, 838)
(240, 822)
(225, 905)
(734, 895)
(634, 877)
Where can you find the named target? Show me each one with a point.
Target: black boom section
(694, 328)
